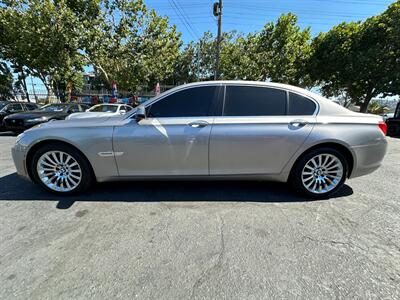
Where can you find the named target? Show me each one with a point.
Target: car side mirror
(140, 113)
(122, 111)
(87, 110)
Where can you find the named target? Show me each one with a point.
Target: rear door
(259, 130)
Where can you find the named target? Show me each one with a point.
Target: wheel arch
(38, 145)
(345, 150)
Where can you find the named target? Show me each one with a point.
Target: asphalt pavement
(201, 240)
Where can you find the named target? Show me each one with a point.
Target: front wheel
(61, 169)
(320, 173)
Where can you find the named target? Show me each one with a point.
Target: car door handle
(198, 124)
(298, 123)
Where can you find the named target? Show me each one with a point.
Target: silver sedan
(213, 130)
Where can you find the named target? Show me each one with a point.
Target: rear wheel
(320, 173)
(61, 169)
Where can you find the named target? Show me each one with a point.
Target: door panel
(255, 145)
(163, 146)
(173, 139)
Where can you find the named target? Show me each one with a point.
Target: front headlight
(41, 119)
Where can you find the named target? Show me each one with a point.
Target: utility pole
(217, 11)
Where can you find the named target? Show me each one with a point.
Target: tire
(61, 169)
(320, 173)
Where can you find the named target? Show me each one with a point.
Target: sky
(193, 17)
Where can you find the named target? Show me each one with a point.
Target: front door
(174, 137)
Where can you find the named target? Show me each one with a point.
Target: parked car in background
(210, 130)
(387, 116)
(102, 110)
(11, 107)
(393, 123)
(21, 121)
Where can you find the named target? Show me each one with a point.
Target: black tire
(87, 173)
(295, 178)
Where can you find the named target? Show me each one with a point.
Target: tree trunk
(364, 104)
(24, 85)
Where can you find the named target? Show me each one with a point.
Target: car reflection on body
(210, 130)
(102, 110)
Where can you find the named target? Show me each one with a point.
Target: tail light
(383, 126)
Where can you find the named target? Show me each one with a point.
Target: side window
(300, 105)
(254, 101)
(192, 102)
(127, 108)
(15, 107)
(83, 107)
(30, 106)
(73, 108)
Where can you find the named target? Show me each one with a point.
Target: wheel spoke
(59, 171)
(322, 173)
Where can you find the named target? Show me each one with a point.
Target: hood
(84, 115)
(36, 114)
(83, 122)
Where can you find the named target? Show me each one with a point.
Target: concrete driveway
(203, 240)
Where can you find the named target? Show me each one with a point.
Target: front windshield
(53, 107)
(104, 108)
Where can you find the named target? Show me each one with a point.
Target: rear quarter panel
(360, 135)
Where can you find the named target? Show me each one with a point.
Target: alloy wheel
(59, 171)
(322, 173)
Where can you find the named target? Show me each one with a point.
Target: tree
(359, 59)
(41, 38)
(131, 45)
(282, 51)
(6, 82)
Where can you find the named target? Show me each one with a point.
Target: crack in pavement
(217, 265)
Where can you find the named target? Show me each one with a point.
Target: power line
(183, 19)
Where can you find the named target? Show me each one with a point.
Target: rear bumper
(18, 155)
(368, 158)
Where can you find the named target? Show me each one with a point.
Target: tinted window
(14, 107)
(127, 108)
(73, 108)
(299, 105)
(192, 102)
(84, 107)
(30, 106)
(254, 101)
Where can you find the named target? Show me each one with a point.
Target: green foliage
(128, 44)
(278, 53)
(359, 60)
(377, 109)
(282, 51)
(6, 82)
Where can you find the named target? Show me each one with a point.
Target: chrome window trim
(224, 84)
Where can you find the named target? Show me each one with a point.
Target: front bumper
(19, 157)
